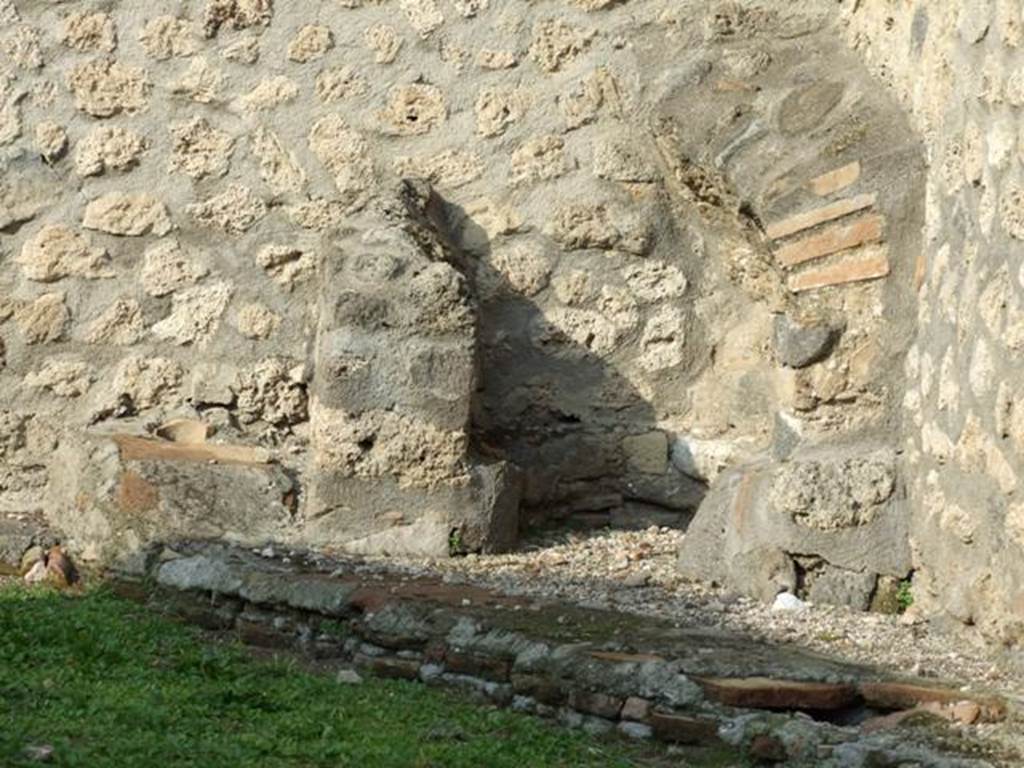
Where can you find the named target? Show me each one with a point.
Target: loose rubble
(636, 571)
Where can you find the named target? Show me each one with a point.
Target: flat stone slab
(768, 693)
(885, 694)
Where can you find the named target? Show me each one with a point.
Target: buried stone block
(17, 537)
(838, 586)
(839, 509)
(116, 493)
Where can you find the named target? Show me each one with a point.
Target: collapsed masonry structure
(387, 277)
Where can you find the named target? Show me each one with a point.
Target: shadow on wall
(587, 441)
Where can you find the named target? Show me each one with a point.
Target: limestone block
(118, 493)
(539, 159)
(64, 377)
(145, 382)
(413, 110)
(280, 168)
(235, 14)
(86, 31)
(235, 210)
(839, 505)
(44, 320)
(837, 586)
(498, 107)
(167, 267)
(129, 215)
(270, 94)
(312, 42)
(108, 148)
(57, 252)
(105, 87)
(364, 371)
(195, 314)
(556, 43)
(647, 453)
(166, 36)
(384, 41)
(340, 83)
(122, 324)
(51, 141)
(202, 82)
(199, 150)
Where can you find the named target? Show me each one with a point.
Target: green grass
(107, 683)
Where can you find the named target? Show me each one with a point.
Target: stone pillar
(392, 467)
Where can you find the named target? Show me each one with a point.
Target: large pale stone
(131, 215)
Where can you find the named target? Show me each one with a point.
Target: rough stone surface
(799, 346)
(767, 523)
(205, 196)
(538, 656)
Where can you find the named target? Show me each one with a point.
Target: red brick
(850, 270)
(682, 729)
(599, 704)
(263, 635)
(542, 689)
(134, 448)
(834, 181)
(767, 749)
(887, 722)
(476, 665)
(391, 667)
(801, 221)
(841, 237)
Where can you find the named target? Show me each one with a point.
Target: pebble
(37, 573)
(784, 601)
(348, 677)
(636, 580)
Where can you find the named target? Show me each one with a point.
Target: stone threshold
(597, 669)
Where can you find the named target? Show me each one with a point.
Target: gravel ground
(635, 571)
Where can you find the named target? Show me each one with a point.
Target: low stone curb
(592, 669)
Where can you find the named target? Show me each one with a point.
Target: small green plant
(335, 629)
(456, 545)
(904, 595)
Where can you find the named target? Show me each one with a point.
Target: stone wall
(363, 274)
(957, 68)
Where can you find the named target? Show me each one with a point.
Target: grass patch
(107, 683)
